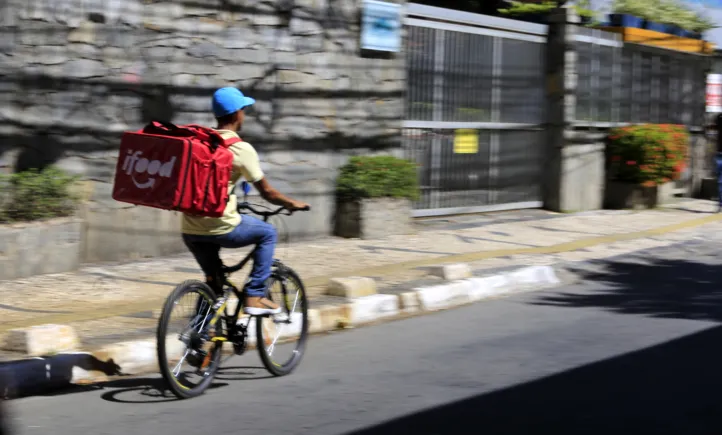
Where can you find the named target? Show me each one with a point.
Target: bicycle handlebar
(268, 214)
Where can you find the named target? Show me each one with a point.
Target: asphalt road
(634, 349)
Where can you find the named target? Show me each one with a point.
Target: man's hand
(298, 205)
(277, 198)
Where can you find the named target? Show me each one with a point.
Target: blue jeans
(251, 231)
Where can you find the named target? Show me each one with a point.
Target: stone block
(409, 302)
(451, 272)
(315, 324)
(139, 356)
(204, 50)
(305, 27)
(42, 340)
(85, 33)
(332, 316)
(252, 55)
(84, 68)
(351, 288)
(236, 37)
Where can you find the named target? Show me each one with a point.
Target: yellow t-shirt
(245, 164)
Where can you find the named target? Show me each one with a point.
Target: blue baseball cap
(229, 100)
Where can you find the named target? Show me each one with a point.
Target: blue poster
(381, 26)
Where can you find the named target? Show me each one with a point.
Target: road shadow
(142, 391)
(680, 288)
(672, 388)
(154, 390)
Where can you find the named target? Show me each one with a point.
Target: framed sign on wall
(381, 26)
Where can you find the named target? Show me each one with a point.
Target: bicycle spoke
(176, 370)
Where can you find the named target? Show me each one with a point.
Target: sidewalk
(113, 302)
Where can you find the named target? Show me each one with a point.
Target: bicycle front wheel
(187, 356)
(281, 338)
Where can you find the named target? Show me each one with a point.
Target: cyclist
(205, 236)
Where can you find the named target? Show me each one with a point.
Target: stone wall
(74, 74)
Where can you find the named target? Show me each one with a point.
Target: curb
(40, 375)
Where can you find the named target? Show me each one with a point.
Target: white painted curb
(371, 308)
(38, 375)
(475, 289)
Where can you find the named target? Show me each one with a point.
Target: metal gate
(475, 110)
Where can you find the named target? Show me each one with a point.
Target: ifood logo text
(135, 163)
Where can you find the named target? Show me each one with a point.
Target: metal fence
(631, 83)
(476, 84)
(480, 80)
(622, 83)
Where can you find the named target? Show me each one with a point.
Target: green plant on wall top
(377, 177)
(35, 195)
(647, 154)
(665, 12)
(520, 9)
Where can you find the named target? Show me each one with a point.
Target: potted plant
(642, 161)
(373, 197)
(39, 226)
(629, 13)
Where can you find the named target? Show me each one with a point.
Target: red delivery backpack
(182, 168)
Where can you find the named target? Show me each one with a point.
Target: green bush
(377, 177)
(520, 9)
(648, 154)
(37, 194)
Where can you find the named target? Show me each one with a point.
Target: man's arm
(270, 194)
(245, 158)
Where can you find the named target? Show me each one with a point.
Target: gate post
(573, 178)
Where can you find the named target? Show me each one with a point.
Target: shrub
(648, 154)
(37, 194)
(377, 177)
(520, 9)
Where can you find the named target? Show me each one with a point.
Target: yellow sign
(466, 141)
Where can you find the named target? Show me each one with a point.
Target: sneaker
(256, 306)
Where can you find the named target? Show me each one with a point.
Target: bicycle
(211, 325)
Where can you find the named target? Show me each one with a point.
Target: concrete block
(138, 356)
(315, 325)
(372, 308)
(452, 272)
(445, 296)
(42, 340)
(409, 302)
(353, 287)
(373, 218)
(332, 316)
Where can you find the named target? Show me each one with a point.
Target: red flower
(631, 162)
(616, 158)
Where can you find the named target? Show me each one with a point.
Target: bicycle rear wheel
(285, 333)
(184, 340)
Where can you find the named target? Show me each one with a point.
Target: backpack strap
(232, 141)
